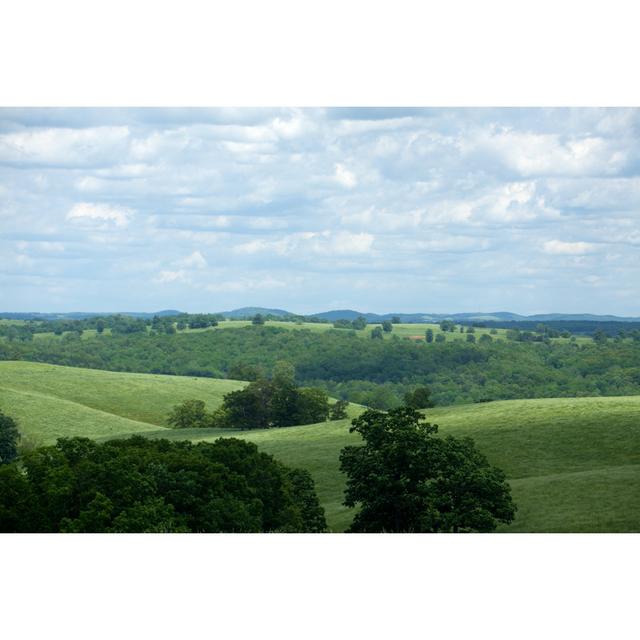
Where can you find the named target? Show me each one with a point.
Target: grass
(136, 396)
(573, 463)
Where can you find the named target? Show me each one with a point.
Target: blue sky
(442, 210)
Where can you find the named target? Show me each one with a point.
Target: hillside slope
(573, 463)
(136, 396)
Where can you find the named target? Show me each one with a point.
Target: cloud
(398, 209)
(88, 212)
(558, 247)
(345, 177)
(171, 276)
(194, 261)
(64, 147)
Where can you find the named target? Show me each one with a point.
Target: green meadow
(573, 463)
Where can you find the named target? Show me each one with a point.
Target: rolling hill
(573, 463)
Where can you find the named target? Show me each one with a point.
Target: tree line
(373, 372)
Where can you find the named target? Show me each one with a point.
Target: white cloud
(345, 177)
(171, 276)
(59, 147)
(558, 247)
(446, 206)
(194, 261)
(101, 213)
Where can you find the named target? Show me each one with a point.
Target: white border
(319, 53)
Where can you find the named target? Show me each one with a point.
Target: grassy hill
(51, 401)
(573, 463)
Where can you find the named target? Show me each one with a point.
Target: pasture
(573, 463)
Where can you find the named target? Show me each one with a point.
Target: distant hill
(337, 314)
(82, 315)
(497, 316)
(247, 312)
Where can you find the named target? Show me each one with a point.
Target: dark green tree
(9, 436)
(338, 411)
(257, 319)
(387, 326)
(312, 405)
(395, 320)
(406, 479)
(191, 414)
(251, 407)
(359, 323)
(419, 398)
(428, 334)
(376, 333)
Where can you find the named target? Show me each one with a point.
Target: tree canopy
(141, 485)
(9, 436)
(406, 479)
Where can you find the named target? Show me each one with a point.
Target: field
(573, 463)
(52, 401)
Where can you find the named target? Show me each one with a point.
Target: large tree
(407, 479)
(9, 436)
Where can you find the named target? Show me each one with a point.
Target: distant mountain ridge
(337, 314)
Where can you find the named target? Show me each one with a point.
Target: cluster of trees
(348, 367)
(262, 404)
(447, 325)
(358, 324)
(142, 485)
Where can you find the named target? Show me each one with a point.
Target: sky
(379, 210)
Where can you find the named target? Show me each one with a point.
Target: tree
(100, 326)
(9, 436)
(471, 337)
(428, 335)
(395, 320)
(312, 405)
(447, 325)
(405, 479)
(485, 338)
(191, 414)
(387, 326)
(440, 338)
(339, 410)
(600, 337)
(359, 323)
(250, 408)
(419, 398)
(376, 334)
(257, 319)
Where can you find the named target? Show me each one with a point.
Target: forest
(376, 373)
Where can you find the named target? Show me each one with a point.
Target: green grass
(136, 396)
(573, 463)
